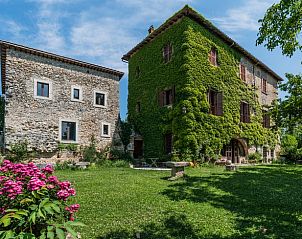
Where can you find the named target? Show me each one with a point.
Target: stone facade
(38, 120)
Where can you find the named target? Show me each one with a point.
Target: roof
(189, 12)
(9, 45)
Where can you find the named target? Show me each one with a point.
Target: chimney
(151, 29)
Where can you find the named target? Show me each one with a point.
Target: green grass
(261, 202)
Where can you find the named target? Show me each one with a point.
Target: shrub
(19, 152)
(254, 157)
(34, 203)
(90, 153)
(119, 155)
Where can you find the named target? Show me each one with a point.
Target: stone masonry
(38, 120)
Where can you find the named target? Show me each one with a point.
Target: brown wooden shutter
(173, 94)
(219, 110)
(241, 112)
(242, 72)
(161, 99)
(247, 113)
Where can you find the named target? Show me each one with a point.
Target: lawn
(254, 202)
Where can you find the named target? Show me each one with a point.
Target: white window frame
(94, 98)
(45, 81)
(80, 93)
(109, 130)
(77, 131)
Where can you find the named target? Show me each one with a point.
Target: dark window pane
(105, 129)
(100, 99)
(76, 94)
(42, 89)
(68, 131)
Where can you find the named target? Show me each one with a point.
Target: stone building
(51, 99)
(194, 89)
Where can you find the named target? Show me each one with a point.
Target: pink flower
(53, 179)
(73, 208)
(48, 169)
(64, 185)
(35, 184)
(11, 188)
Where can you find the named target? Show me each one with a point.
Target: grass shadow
(266, 200)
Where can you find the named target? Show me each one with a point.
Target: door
(138, 149)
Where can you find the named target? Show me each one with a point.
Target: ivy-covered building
(194, 89)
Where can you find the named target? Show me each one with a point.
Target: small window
(264, 85)
(167, 97)
(213, 57)
(168, 143)
(68, 131)
(266, 119)
(105, 130)
(100, 99)
(138, 107)
(76, 93)
(265, 153)
(242, 72)
(167, 52)
(245, 112)
(42, 88)
(215, 101)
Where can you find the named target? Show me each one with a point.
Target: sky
(102, 31)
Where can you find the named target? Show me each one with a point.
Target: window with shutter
(242, 72)
(213, 57)
(266, 119)
(215, 102)
(264, 85)
(167, 52)
(167, 97)
(245, 112)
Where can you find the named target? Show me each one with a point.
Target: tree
(281, 26)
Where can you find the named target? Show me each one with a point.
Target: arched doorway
(235, 151)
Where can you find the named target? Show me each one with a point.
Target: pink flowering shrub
(33, 203)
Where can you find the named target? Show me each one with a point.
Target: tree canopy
(281, 27)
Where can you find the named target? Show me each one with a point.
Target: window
(76, 93)
(105, 130)
(242, 72)
(167, 97)
(245, 112)
(215, 102)
(264, 85)
(68, 131)
(213, 57)
(100, 99)
(168, 139)
(265, 154)
(272, 154)
(266, 119)
(42, 88)
(138, 107)
(167, 52)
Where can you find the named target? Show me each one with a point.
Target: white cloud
(11, 28)
(244, 17)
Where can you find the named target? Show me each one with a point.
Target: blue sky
(101, 31)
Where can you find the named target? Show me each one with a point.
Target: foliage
(34, 203)
(69, 147)
(114, 163)
(254, 202)
(192, 75)
(125, 133)
(255, 157)
(90, 153)
(19, 152)
(281, 26)
(290, 150)
(118, 155)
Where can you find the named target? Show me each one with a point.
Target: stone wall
(253, 78)
(38, 120)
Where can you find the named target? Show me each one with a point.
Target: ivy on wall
(192, 75)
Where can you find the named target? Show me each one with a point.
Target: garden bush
(34, 203)
(255, 157)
